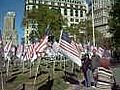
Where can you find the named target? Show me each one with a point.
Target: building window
(59, 9)
(71, 12)
(71, 6)
(52, 3)
(28, 8)
(65, 11)
(27, 26)
(27, 37)
(76, 6)
(76, 13)
(72, 25)
(76, 20)
(71, 19)
(81, 13)
(65, 5)
(33, 7)
(59, 4)
(27, 42)
(34, 1)
(27, 31)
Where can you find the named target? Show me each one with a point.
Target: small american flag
(39, 48)
(7, 48)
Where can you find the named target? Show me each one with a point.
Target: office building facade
(101, 16)
(9, 31)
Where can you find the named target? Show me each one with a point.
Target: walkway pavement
(79, 87)
(116, 72)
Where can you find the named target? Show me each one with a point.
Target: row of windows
(72, 20)
(56, 4)
(72, 13)
(67, 1)
(66, 12)
(70, 1)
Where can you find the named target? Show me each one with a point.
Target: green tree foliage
(44, 16)
(114, 22)
(84, 32)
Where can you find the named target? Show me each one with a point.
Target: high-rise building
(73, 10)
(101, 15)
(9, 31)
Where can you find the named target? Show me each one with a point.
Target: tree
(44, 16)
(114, 23)
(84, 32)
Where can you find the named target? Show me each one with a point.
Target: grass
(59, 84)
(56, 76)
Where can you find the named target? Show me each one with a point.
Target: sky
(16, 6)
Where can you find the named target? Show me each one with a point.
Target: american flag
(69, 49)
(100, 51)
(39, 48)
(19, 50)
(43, 44)
(1, 45)
(7, 48)
(105, 78)
(0, 38)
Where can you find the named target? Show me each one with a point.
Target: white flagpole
(8, 67)
(60, 37)
(37, 72)
(23, 66)
(2, 81)
(30, 68)
(64, 63)
(72, 66)
(93, 23)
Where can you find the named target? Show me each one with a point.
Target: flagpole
(60, 37)
(37, 72)
(30, 69)
(93, 24)
(8, 66)
(23, 66)
(2, 81)
(59, 45)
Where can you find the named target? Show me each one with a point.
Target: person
(86, 69)
(104, 75)
(95, 61)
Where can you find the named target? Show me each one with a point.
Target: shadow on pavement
(71, 80)
(47, 86)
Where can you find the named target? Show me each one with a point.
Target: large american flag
(69, 49)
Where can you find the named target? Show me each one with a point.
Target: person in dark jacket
(86, 69)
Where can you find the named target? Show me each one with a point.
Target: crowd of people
(96, 71)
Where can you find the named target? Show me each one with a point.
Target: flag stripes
(105, 78)
(42, 45)
(69, 47)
